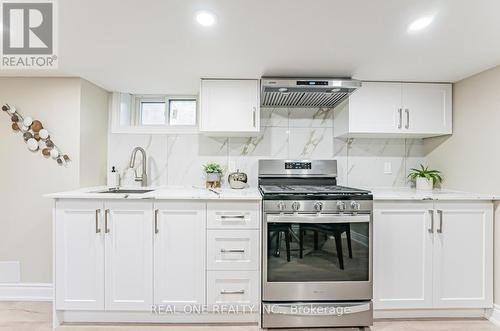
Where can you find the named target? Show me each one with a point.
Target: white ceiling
(156, 46)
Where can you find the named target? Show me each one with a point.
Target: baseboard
(26, 292)
(495, 315)
(430, 313)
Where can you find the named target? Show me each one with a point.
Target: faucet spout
(144, 177)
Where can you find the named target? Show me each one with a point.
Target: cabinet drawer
(233, 249)
(232, 287)
(233, 215)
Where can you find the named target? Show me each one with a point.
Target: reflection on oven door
(317, 252)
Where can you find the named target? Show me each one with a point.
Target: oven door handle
(328, 310)
(320, 218)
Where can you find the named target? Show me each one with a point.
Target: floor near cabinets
(36, 316)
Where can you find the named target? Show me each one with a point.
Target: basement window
(166, 111)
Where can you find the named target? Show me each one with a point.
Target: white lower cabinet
(433, 254)
(463, 255)
(402, 260)
(179, 254)
(232, 287)
(79, 255)
(104, 255)
(233, 254)
(129, 255)
(233, 249)
(126, 255)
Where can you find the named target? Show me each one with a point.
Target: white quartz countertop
(162, 193)
(403, 193)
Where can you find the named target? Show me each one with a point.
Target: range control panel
(297, 165)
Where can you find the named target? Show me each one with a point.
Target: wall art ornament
(36, 137)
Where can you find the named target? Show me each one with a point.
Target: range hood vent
(306, 92)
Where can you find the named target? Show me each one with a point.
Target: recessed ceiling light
(205, 18)
(420, 24)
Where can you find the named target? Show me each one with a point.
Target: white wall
(26, 217)
(470, 158)
(94, 103)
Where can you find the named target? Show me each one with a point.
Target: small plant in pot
(214, 173)
(424, 178)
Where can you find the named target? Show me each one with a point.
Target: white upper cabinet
(230, 107)
(382, 109)
(427, 108)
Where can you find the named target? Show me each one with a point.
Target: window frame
(133, 103)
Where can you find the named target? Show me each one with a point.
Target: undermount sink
(127, 191)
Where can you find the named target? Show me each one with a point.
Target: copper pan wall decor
(36, 137)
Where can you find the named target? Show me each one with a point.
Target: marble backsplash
(292, 134)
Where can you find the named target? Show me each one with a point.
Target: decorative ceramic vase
(424, 184)
(213, 179)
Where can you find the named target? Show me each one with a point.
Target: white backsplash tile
(311, 143)
(285, 133)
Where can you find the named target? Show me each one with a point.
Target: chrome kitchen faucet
(144, 177)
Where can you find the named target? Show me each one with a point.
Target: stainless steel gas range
(317, 247)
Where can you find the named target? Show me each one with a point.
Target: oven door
(310, 257)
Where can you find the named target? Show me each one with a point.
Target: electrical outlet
(387, 168)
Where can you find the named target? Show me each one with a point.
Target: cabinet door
(375, 108)
(402, 255)
(79, 257)
(179, 250)
(129, 255)
(463, 255)
(229, 105)
(427, 108)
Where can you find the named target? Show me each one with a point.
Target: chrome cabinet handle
(97, 212)
(239, 250)
(407, 111)
(232, 292)
(400, 111)
(254, 114)
(156, 221)
(106, 213)
(440, 229)
(431, 229)
(235, 216)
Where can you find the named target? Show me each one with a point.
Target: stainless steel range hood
(306, 92)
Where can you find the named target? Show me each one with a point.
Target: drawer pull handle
(239, 250)
(232, 292)
(224, 217)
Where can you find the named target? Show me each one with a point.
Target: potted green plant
(214, 173)
(424, 178)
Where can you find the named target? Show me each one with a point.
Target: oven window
(304, 252)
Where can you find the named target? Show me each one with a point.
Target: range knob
(281, 206)
(355, 205)
(295, 205)
(318, 206)
(341, 205)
